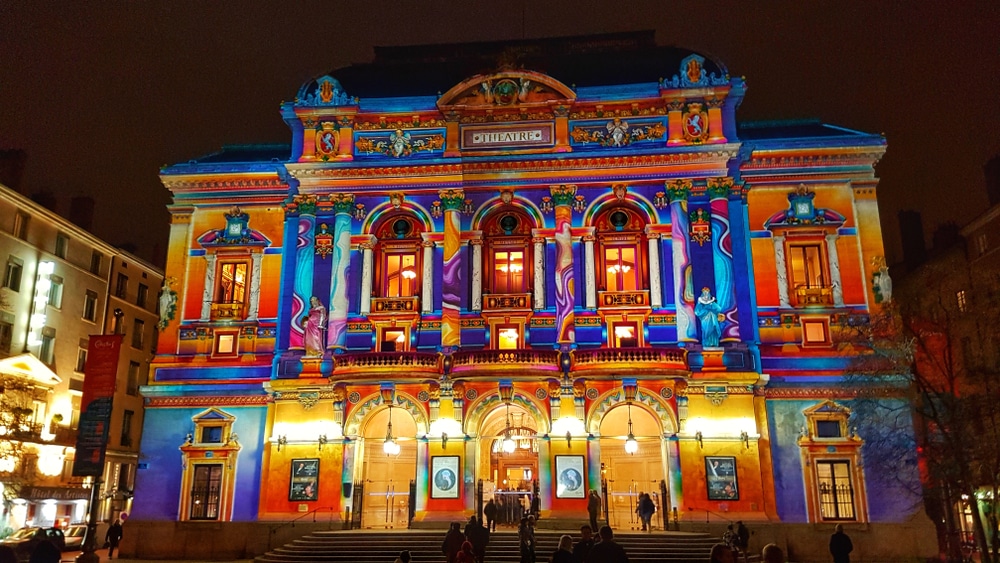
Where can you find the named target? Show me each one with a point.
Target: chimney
(911, 229)
(81, 212)
(992, 171)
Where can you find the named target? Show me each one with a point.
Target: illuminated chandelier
(630, 387)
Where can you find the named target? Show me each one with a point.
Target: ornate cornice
(239, 401)
(826, 392)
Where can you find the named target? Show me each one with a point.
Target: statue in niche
(708, 311)
(881, 282)
(168, 303)
(314, 324)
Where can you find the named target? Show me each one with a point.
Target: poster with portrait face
(444, 476)
(570, 477)
(305, 480)
(720, 474)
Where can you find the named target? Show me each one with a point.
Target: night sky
(101, 94)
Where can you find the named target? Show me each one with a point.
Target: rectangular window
(20, 225)
(836, 492)
(6, 336)
(142, 295)
(620, 268)
(625, 335)
(508, 271)
(963, 306)
(55, 292)
(95, 262)
(211, 434)
(232, 283)
(400, 275)
(133, 379)
(828, 429)
(205, 492)
(12, 275)
(138, 332)
(125, 477)
(393, 340)
(62, 244)
(126, 437)
(808, 270)
(47, 351)
(90, 306)
(225, 343)
(121, 286)
(815, 332)
(982, 243)
(81, 360)
(508, 337)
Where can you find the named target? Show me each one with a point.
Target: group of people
(588, 549)
(645, 509)
(508, 509)
(735, 543)
(468, 546)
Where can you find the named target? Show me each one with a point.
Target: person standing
(593, 508)
(564, 553)
(840, 545)
(646, 510)
(526, 539)
(452, 543)
(581, 551)
(608, 551)
(478, 536)
(404, 557)
(722, 553)
(113, 536)
(742, 539)
(490, 511)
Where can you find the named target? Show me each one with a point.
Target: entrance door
(630, 475)
(387, 476)
(509, 461)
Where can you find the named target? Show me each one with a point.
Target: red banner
(100, 375)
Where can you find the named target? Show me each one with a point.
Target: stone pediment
(506, 89)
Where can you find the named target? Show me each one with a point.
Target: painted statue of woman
(313, 324)
(707, 310)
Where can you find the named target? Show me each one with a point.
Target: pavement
(70, 557)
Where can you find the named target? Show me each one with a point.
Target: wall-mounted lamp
(444, 440)
(569, 439)
(745, 438)
(322, 442)
(699, 438)
(282, 440)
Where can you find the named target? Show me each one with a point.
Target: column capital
(676, 104)
(563, 194)
(452, 200)
(678, 190)
(719, 188)
(343, 204)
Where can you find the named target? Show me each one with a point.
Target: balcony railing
(649, 360)
(227, 311)
(622, 299)
(385, 305)
(387, 362)
(506, 301)
(496, 360)
(813, 295)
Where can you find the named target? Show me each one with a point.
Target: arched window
(507, 276)
(622, 275)
(399, 257)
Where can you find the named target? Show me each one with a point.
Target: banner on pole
(100, 375)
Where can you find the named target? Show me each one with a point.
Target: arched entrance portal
(628, 475)
(509, 461)
(387, 476)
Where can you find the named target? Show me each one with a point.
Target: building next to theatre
(61, 285)
(521, 271)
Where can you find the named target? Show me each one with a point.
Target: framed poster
(305, 480)
(720, 475)
(444, 476)
(569, 477)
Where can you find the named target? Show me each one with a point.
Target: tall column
(655, 290)
(336, 336)
(684, 294)
(367, 273)
(562, 197)
(834, 258)
(538, 265)
(675, 124)
(427, 280)
(304, 257)
(589, 270)
(451, 304)
(782, 268)
(254, 308)
(477, 271)
(207, 294)
(715, 131)
(722, 255)
(674, 479)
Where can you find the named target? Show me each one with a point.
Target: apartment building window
(12, 275)
(55, 292)
(963, 305)
(20, 225)
(133, 379)
(90, 306)
(141, 295)
(138, 332)
(6, 336)
(836, 494)
(126, 437)
(62, 244)
(81, 360)
(95, 262)
(982, 243)
(121, 286)
(206, 492)
(47, 350)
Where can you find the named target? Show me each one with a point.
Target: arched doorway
(509, 461)
(387, 476)
(627, 475)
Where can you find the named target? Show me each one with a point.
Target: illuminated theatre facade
(532, 281)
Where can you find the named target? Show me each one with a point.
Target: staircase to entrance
(425, 545)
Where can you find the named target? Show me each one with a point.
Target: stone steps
(425, 545)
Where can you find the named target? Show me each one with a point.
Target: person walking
(581, 551)
(490, 511)
(466, 555)
(840, 545)
(608, 551)
(646, 510)
(452, 544)
(593, 508)
(404, 557)
(564, 553)
(526, 539)
(113, 537)
(478, 536)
